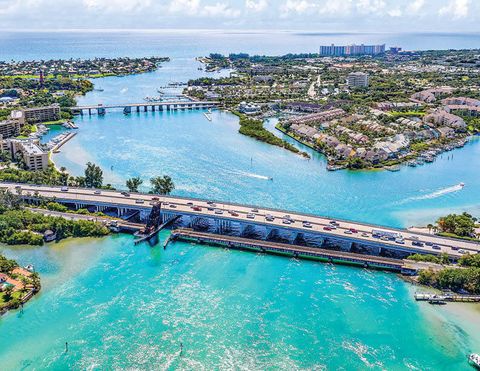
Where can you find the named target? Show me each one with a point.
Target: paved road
(249, 214)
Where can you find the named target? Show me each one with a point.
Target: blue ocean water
(120, 306)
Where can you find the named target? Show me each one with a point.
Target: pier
(444, 297)
(303, 252)
(128, 108)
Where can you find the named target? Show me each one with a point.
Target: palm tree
(8, 293)
(162, 185)
(24, 280)
(35, 278)
(63, 175)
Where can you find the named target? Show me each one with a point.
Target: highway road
(354, 231)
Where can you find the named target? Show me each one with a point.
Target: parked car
(250, 216)
(307, 224)
(417, 243)
(233, 213)
(269, 218)
(327, 228)
(348, 231)
(97, 192)
(218, 211)
(172, 206)
(139, 201)
(196, 208)
(126, 194)
(436, 247)
(64, 189)
(353, 230)
(365, 234)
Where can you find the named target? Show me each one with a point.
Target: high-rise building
(357, 80)
(351, 50)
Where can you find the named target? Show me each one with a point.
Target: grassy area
(56, 122)
(397, 114)
(453, 235)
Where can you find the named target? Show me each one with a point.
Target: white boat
(462, 184)
(474, 360)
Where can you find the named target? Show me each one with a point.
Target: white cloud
(457, 8)
(220, 10)
(395, 12)
(189, 7)
(370, 6)
(117, 5)
(415, 6)
(256, 5)
(296, 6)
(333, 7)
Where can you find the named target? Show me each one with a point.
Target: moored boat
(474, 360)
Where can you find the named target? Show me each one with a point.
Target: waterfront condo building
(357, 80)
(350, 50)
(35, 158)
(42, 114)
(9, 128)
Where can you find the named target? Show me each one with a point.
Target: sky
(307, 15)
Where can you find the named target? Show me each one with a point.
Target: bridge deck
(147, 104)
(236, 212)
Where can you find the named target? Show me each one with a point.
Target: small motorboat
(474, 360)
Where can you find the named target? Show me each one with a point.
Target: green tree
(461, 225)
(93, 176)
(8, 293)
(24, 280)
(63, 176)
(133, 184)
(35, 278)
(162, 185)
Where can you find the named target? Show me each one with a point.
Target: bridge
(263, 224)
(153, 106)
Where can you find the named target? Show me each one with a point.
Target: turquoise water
(124, 306)
(121, 306)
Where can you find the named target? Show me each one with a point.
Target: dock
(56, 147)
(446, 297)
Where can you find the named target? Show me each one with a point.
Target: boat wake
(253, 175)
(124, 90)
(436, 194)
